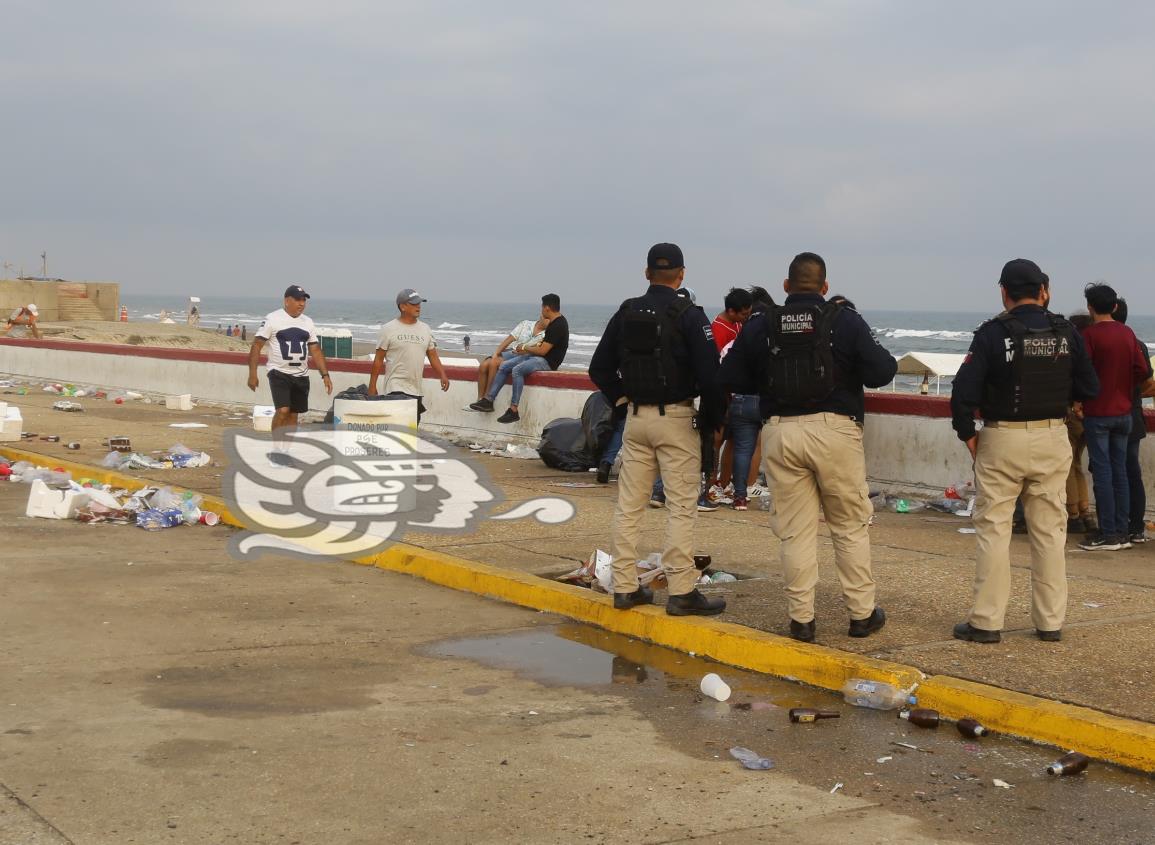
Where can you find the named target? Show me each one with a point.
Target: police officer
(1022, 372)
(809, 360)
(655, 356)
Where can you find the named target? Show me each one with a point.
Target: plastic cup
(714, 687)
(209, 518)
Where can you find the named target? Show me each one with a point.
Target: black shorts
(290, 392)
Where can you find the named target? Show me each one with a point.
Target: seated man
(545, 355)
(525, 333)
(26, 315)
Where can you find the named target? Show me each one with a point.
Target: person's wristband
(324, 375)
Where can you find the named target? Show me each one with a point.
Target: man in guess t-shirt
(292, 340)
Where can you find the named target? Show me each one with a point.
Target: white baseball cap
(32, 308)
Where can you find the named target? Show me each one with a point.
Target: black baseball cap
(1022, 273)
(295, 292)
(665, 257)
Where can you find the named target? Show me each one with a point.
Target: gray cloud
(460, 145)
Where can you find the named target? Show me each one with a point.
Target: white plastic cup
(714, 687)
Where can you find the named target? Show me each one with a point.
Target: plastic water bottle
(876, 695)
(750, 759)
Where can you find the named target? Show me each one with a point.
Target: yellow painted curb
(1124, 741)
(1127, 742)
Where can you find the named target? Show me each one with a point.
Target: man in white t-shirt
(293, 340)
(404, 345)
(26, 315)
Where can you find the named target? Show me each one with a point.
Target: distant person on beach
(1023, 370)
(294, 340)
(244, 332)
(546, 354)
(404, 345)
(229, 330)
(525, 333)
(26, 315)
(465, 343)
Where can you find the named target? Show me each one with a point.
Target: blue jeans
(1138, 496)
(519, 366)
(745, 426)
(610, 453)
(1107, 449)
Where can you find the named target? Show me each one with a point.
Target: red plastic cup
(209, 518)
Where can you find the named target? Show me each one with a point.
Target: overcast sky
(494, 150)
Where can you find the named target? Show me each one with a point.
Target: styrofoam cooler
(178, 402)
(263, 417)
(11, 424)
(376, 412)
(50, 503)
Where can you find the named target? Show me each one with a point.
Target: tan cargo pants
(811, 460)
(1033, 462)
(668, 444)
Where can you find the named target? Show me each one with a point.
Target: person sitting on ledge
(545, 355)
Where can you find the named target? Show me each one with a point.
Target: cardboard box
(178, 402)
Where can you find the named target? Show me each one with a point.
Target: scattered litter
(967, 531)
(722, 578)
(912, 747)
(751, 760)
(884, 759)
(188, 425)
(970, 728)
(532, 712)
(837, 787)
(598, 574)
(69, 407)
(1002, 784)
(1071, 763)
(1092, 604)
(155, 519)
(921, 716)
(572, 484)
(714, 687)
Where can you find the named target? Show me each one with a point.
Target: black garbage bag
(563, 446)
(598, 422)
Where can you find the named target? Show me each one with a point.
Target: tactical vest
(1041, 362)
(800, 353)
(649, 333)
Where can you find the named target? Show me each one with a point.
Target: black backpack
(800, 352)
(648, 335)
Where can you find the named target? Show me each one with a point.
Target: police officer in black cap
(1024, 369)
(657, 354)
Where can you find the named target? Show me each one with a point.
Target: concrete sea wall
(909, 440)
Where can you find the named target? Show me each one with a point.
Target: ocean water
(487, 323)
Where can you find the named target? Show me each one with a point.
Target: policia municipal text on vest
(800, 352)
(1041, 364)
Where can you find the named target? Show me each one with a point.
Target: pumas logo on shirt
(294, 345)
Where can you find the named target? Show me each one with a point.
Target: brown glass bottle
(921, 716)
(971, 728)
(809, 714)
(1069, 764)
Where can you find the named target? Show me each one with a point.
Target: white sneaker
(756, 490)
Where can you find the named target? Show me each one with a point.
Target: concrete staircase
(73, 304)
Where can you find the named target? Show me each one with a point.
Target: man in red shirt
(742, 440)
(1121, 367)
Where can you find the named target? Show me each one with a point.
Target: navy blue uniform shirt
(694, 351)
(986, 362)
(859, 361)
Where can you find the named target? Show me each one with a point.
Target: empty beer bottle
(809, 714)
(1069, 764)
(971, 728)
(921, 716)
